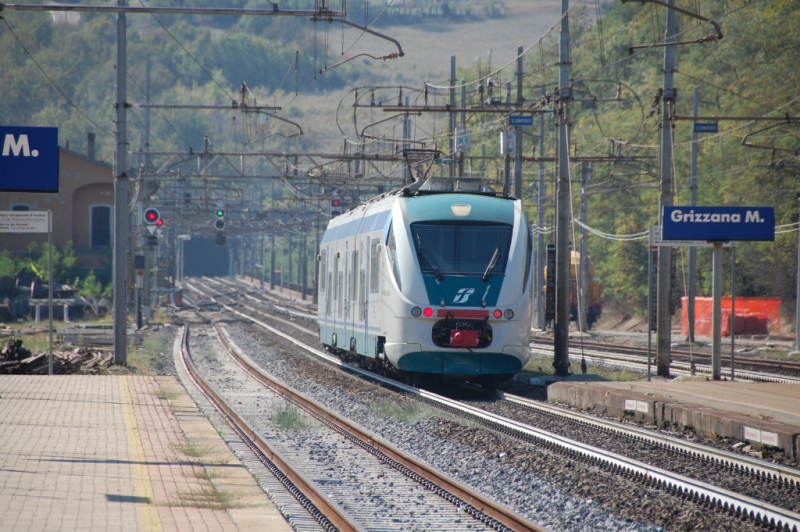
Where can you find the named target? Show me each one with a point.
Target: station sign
(520, 120)
(706, 127)
(718, 224)
(28, 159)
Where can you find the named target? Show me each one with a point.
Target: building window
(20, 207)
(100, 226)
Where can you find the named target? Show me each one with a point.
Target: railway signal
(153, 217)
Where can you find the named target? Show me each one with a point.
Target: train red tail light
(497, 314)
(428, 312)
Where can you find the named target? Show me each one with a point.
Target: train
(429, 282)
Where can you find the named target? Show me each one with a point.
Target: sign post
(35, 222)
(717, 227)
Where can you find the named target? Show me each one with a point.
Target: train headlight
(508, 314)
(428, 312)
(416, 312)
(497, 313)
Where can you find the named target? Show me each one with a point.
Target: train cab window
(528, 258)
(391, 248)
(375, 266)
(460, 249)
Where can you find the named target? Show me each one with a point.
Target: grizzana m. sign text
(718, 224)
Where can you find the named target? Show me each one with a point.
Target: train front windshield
(447, 248)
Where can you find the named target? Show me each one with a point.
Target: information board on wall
(24, 222)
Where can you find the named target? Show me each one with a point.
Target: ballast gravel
(559, 492)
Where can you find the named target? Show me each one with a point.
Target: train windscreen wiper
(492, 264)
(429, 260)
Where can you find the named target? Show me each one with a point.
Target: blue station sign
(718, 224)
(520, 120)
(28, 159)
(706, 127)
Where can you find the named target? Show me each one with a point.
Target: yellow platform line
(141, 475)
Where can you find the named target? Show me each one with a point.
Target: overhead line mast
(121, 181)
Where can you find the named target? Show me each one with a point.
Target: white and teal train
(434, 282)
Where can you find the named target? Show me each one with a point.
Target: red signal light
(334, 203)
(159, 222)
(151, 216)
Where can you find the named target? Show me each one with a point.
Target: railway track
(755, 471)
(408, 485)
(754, 369)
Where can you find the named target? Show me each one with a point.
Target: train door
(337, 290)
(376, 298)
(323, 277)
(352, 295)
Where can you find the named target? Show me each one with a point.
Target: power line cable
(55, 83)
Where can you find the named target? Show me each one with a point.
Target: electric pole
(561, 322)
(518, 147)
(693, 201)
(668, 95)
(120, 250)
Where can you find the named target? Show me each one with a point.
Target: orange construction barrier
(754, 315)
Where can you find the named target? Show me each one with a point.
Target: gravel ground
(559, 492)
(368, 489)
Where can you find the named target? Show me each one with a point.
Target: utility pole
(272, 245)
(668, 94)
(120, 198)
(406, 136)
(518, 147)
(452, 116)
(561, 322)
(540, 251)
(463, 125)
(145, 162)
(693, 201)
(582, 266)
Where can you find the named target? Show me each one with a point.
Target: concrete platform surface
(118, 453)
(761, 413)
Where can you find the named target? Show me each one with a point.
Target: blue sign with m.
(28, 159)
(718, 224)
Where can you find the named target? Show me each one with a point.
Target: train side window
(341, 296)
(391, 247)
(375, 266)
(362, 294)
(354, 273)
(323, 269)
(328, 295)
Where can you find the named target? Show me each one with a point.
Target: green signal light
(220, 213)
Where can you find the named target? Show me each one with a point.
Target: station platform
(126, 452)
(762, 414)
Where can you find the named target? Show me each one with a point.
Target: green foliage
(65, 267)
(8, 265)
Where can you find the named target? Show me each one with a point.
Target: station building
(82, 209)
